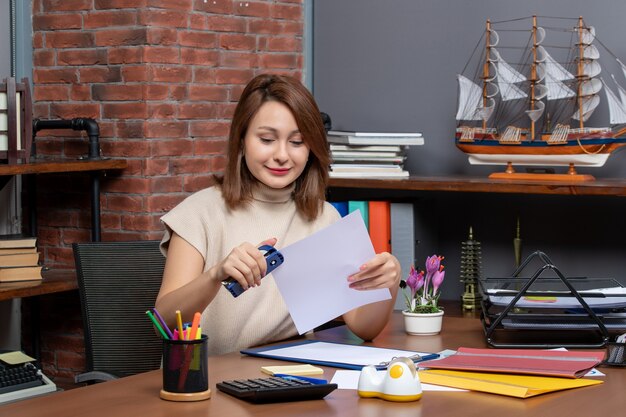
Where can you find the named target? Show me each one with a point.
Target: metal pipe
(79, 123)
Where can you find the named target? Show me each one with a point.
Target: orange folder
(380, 225)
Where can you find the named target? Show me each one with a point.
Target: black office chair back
(118, 282)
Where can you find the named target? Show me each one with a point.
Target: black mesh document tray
(556, 311)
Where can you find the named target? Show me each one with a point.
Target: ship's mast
(533, 77)
(486, 69)
(580, 74)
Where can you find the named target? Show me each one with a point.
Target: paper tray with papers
(337, 355)
(555, 311)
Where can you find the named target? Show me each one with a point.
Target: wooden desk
(139, 395)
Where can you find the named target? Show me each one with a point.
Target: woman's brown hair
(310, 190)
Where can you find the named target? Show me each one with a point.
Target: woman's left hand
(382, 271)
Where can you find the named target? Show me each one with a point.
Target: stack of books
(370, 154)
(19, 259)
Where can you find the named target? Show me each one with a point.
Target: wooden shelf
(604, 187)
(53, 281)
(46, 166)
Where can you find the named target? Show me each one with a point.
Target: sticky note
(292, 370)
(15, 358)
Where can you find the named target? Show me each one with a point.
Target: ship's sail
(617, 111)
(470, 101)
(553, 74)
(622, 66)
(537, 112)
(506, 78)
(621, 90)
(589, 87)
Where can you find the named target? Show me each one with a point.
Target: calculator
(277, 389)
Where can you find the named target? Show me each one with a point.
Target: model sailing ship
(535, 112)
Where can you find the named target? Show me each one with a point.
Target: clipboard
(336, 355)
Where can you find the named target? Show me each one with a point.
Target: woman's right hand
(245, 264)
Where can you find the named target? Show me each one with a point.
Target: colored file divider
(341, 206)
(380, 225)
(363, 207)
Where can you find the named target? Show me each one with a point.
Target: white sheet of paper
(313, 279)
(350, 380)
(324, 352)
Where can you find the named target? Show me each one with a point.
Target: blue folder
(317, 353)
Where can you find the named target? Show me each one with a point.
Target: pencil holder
(186, 370)
(615, 354)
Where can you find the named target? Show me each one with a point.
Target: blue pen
(316, 381)
(163, 324)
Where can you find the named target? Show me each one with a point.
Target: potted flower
(423, 315)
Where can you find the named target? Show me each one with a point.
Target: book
(11, 251)
(365, 168)
(380, 226)
(19, 259)
(358, 174)
(357, 154)
(365, 138)
(375, 134)
(367, 148)
(17, 241)
(20, 273)
(368, 158)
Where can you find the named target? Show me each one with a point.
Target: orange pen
(194, 325)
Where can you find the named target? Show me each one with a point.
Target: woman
(272, 192)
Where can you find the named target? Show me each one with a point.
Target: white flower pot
(423, 324)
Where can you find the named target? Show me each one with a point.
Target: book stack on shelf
(19, 259)
(370, 154)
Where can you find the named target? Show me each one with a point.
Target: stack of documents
(515, 372)
(370, 154)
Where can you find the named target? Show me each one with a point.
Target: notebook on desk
(337, 355)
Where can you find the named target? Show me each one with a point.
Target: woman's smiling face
(274, 150)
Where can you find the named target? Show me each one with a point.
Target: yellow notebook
(521, 386)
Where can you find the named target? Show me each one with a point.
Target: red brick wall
(162, 78)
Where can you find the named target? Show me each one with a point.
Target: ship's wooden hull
(592, 152)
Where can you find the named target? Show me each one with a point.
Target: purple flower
(438, 279)
(415, 281)
(432, 264)
(424, 286)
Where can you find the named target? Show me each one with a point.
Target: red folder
(380, 226)
(567, 364)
